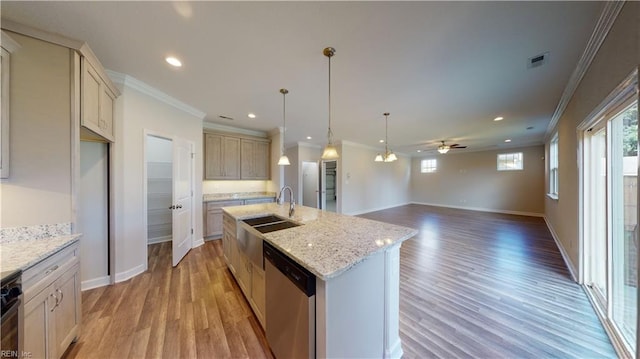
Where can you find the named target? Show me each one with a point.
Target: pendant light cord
(284, 120)
(330, 133)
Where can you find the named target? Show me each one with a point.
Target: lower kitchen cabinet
(258, 297)
(52, 305)
(212, 212)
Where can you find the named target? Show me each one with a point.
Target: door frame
(148, 132)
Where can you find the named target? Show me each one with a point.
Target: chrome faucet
(292, 202)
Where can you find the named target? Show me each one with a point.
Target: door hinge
(191, 230)
(193, 155)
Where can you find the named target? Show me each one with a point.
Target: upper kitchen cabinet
(235, 157)
(222, 157)
(254, 159)
(97, 97)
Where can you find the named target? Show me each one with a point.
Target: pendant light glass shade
(330, 152)
(284, 160)
(388, 155)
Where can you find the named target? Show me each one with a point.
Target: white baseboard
(563, 252)
(95, 283)
(159, 240)
(479, 209)
(122, 276)
(197, 243)
(356, 213)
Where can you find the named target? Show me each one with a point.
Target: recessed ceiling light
(173, 61)
(498, 118)
(381, 141)
(419, 151)
(507, 140)
(308, 137)
(251, 115)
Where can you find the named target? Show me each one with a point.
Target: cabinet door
(90, 98)
(242, 267)
(214, 223)
(247, 157)
(106, 113)
(261, 160)
(258, 292)
(231, 158)
(37, 314)
(213, 165)
(227, 241)
(67, 310)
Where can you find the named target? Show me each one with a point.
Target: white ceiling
(443, 70)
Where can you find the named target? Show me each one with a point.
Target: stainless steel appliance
(290, 306)
(11, 294)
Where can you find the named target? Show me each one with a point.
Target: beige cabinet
(213, 224)
(254, 159)
(222, 157)
(96, 101)
(250, 278)
(52, 304)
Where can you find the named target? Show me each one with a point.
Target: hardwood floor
(486, 285)
(472, 284)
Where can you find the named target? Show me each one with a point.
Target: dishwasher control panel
(297, 274)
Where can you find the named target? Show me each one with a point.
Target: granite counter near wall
(23, 247)
(208, 197)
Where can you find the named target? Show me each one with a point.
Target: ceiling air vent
(226, 117)
(538, 60)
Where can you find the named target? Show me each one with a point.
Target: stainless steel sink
(250, 235)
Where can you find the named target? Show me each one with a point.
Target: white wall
(38, 190)
(365, 185)
(135, 112)
(471, 180)
(616, 58)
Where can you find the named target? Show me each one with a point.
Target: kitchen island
(356, 264)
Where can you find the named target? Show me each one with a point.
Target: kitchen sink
(250, 233)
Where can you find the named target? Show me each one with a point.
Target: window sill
(552, 196)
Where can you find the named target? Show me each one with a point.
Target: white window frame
(504, 159)
(553, 167)
(429, 165)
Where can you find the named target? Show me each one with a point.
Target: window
(428, 166)
(510, 161)
(553, 167)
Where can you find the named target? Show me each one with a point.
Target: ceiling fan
(444, 148)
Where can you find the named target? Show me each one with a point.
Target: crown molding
(230, 129)
(132, 82)
(42, 35)
(8, 43)
(601, 30)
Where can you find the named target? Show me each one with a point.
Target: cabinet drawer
(220, 204)
(41, 275)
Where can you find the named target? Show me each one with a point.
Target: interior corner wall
(136, 112)
(616, 59)
(291, 171)
(365, 185)
(471, 180)
(277, 172)
(38, 190)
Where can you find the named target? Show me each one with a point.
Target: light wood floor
(472, 284)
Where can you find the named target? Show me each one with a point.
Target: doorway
(329, 186)
(169, 182)
(93, 214)
(610, 217)
(310, 184)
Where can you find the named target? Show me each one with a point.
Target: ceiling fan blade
(458, 146)
(454, 145)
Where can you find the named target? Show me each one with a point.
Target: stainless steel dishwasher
(290, 313)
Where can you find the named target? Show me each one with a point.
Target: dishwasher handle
(297, 274)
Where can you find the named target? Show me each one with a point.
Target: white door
(182, 204)
(310, 184)
(323, 185)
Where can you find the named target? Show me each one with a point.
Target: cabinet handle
(61, 297)
(54, 307)
(50, 270)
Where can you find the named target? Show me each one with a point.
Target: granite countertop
(27, 253)
(327, 243)
(208, 197)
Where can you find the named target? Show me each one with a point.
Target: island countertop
(327, 244)
(27, 253)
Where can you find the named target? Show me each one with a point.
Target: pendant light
(284, 160)
(330, 152)
(388, 156)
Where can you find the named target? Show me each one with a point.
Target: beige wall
(616, 58)
(471, 180)
(365, 185)
(38, 190)
(136, 112)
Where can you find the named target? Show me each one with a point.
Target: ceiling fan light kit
(284, 160)
(444, 148)
(330, 152)
(388, 156)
